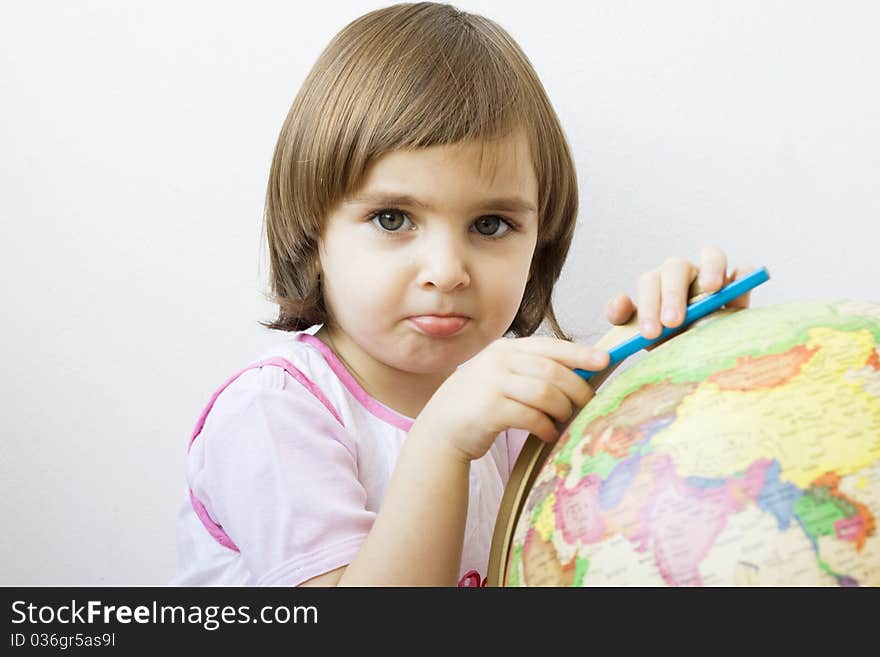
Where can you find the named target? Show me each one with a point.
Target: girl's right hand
(525, 383)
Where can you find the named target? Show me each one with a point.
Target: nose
(444, 263)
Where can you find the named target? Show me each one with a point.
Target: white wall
(135, 140)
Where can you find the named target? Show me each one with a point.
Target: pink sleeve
(279, 474)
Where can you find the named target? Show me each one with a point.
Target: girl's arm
(417, 536)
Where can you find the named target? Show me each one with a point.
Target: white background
(135, 142)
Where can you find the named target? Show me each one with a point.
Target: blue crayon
(695, 311)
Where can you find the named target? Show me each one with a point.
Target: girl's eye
(391, 219)
(491, 224)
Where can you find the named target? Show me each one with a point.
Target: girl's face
(461, 243)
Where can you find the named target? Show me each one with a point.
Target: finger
(569, 354)
(713, 269)
(620, 309)
(531, 419)
(743, 300)
(649, 304)
(676, 277)
(573, 386)
(538, 393)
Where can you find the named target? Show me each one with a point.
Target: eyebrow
(512, 204)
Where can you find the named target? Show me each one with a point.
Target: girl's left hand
(663, 293)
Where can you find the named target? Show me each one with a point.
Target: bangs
(455, 78)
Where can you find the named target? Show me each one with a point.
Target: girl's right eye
(387, 225)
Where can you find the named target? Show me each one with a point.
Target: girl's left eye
(389, 223)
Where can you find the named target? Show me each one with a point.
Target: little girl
(420, 206)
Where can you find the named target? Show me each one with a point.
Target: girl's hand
(526, 383)
(663, 293)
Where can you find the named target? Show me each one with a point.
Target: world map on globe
(745, 451)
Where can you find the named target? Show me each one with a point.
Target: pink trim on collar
(370, 403)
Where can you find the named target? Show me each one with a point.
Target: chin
(428, 361)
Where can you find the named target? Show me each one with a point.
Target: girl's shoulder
(287, 392)
(301, 373)
(294, 365)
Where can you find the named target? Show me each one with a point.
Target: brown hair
(403, 77)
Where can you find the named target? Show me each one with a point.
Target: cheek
(502, 287)
(358, 283)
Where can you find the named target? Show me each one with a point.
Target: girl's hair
(404, 77)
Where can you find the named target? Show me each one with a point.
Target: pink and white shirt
(288, 465)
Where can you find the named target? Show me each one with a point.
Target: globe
(744, 451)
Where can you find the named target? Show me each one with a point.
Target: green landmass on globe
(746, 450)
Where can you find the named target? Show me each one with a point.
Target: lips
(437, 326)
